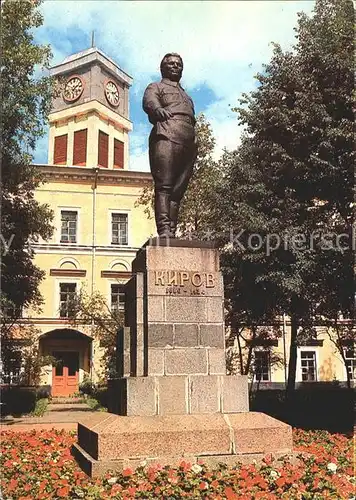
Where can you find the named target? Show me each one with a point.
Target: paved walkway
(58, 416)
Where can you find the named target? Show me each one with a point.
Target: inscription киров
(184, 282)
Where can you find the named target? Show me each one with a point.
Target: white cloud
(139, 147)
(223, 44)
(215, 38)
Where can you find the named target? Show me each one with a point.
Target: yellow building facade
(318, 359)
(97, 227)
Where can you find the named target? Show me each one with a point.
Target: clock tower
(89, 121)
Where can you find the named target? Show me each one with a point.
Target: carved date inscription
(184, 282)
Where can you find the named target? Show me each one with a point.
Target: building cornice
(57, 248)
(93, 107)
(60, 173)
(90, 56)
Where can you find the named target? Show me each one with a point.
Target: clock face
(112, 93)
(73, 89)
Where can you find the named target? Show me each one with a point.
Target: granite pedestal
(172, 398)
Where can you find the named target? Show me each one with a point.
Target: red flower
(230, 494)
(127, 472)
(280, 482)
(185, 466)
(115, 489)
(244, 473)
(268, 459)
(12, 485)
(63, 492)
(215, 483)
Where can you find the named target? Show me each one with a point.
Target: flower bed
(38, 465)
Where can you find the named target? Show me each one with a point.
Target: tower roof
(90, 56)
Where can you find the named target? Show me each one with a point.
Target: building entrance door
(65, 380)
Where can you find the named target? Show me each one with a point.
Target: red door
(65, 373)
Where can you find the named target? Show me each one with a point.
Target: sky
(223, 45)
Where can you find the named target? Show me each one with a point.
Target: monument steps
(117, 442)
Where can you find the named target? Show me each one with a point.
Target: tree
(106, 323)
(196, 207)
(22, 360)
(342, 335)
(289, 187)
(243, 345)
(26, 101)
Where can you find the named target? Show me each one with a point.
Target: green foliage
(105, 322)
(26, 100)
(20, 348)
(195, 216)
(293, 175)
(95, 404)
(86, 386)
(40, 408)
(196, 212)
(18, 400)
(96, 396)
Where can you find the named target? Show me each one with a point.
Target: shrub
(87, 386)
(40, 408)
(18, 400)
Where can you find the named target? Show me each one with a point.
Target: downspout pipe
(284, 349)
(93, 255)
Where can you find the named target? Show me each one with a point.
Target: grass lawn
(38, 465)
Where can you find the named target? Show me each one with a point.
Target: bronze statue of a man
(172, 146)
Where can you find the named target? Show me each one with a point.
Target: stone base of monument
(178, 395)
(173, 399)
(113, 443)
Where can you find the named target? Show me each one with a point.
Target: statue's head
(172, 67)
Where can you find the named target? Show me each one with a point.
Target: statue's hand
(163, 114)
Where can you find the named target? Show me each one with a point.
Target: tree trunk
(292, 365)
(251, 347)
(240, 355)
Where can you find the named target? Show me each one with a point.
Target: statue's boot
(162, 209)
(173, 214)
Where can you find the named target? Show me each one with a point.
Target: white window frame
(57, 291)
(59, 224)
(299, 363)
(119, 212)
(353, 361)
(110, 295)
(261, 349)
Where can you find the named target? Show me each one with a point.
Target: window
(80, 147)
(68, 226)
(350, 356)
(60, 149)
(119, 229)
(66, 299)
(117, 298)
(103, 149)
(308, 366)
(11, 364)
(118, 154)
(262, 366)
